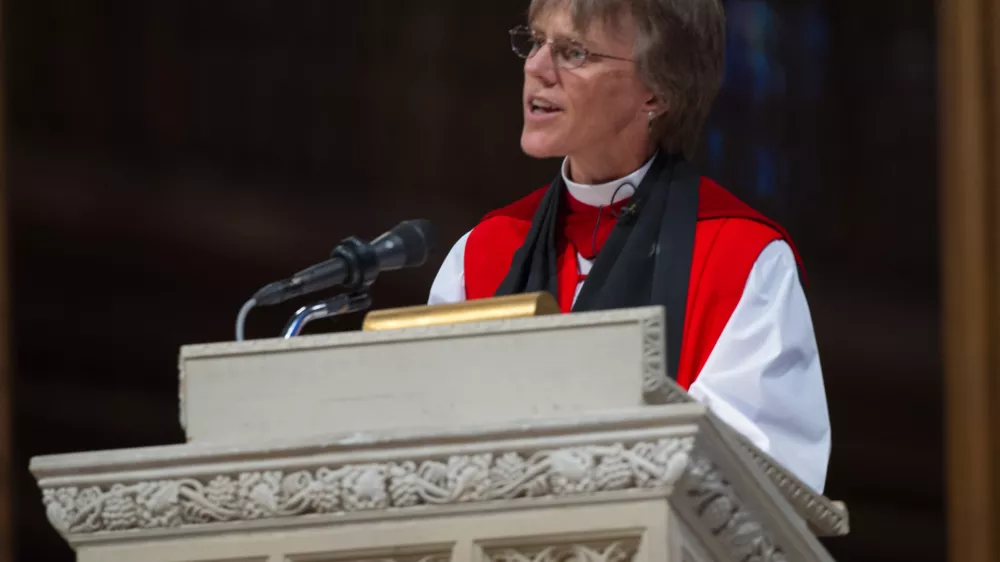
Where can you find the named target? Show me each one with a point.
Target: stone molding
(826, 518)
(225, 496)
(607, 551)
(652, 314)
(621, 456)
(721, 513)
(185, 486)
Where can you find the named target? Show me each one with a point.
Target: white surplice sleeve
(763, 376)
(449, 284)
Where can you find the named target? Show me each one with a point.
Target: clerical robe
(749, 351)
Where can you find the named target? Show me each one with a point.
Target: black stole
(645, 261)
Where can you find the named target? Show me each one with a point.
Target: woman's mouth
(539, 106)
(541, 110)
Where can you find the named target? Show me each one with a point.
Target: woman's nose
(540, 63)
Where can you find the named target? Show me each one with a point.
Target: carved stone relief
(255, 495)
(723, 515)
(438, 557)
(610, 551)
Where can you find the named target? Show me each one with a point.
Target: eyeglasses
(566, 53)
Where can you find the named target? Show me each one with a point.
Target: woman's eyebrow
(558, 36)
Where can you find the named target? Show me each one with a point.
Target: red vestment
(729, 237)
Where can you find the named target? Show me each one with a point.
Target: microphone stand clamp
(362, 263)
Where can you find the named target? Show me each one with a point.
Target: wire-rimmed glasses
(567, 53)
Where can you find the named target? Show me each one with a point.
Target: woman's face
(598, 111)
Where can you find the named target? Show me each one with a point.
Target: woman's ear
(655, 104)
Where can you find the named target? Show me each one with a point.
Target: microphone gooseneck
(340, 304)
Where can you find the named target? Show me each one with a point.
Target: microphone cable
(241, 318)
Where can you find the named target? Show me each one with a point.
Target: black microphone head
(418, 240)
(407, 245)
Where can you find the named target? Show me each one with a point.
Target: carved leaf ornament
(364, 487)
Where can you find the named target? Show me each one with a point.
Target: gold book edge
(478, 310)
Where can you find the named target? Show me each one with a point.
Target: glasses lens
(569, 54)
(522, 42)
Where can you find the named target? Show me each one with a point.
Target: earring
(652, 117)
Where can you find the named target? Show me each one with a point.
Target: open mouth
(542, 107)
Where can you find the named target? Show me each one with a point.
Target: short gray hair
(679, 54)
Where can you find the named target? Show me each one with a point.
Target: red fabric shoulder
(491, 245)
(716, 202)
(729, 238)
(725, 252)
(522, 209)
(488, 253)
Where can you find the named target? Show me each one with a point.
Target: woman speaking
(620, 90)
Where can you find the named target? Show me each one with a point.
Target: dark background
(167, 157)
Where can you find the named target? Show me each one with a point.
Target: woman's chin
(537, 146)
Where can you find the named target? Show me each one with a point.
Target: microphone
(355, 263)
(627, 214)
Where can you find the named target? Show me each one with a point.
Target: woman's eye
(574, 54)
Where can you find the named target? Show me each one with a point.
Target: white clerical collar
(600, 194)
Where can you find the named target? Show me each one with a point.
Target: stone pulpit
(540, 439)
